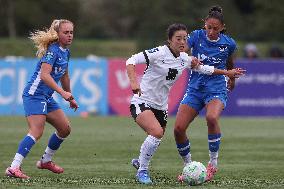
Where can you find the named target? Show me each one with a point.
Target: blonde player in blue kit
(212, 47)
(149, 103)
(39, 105)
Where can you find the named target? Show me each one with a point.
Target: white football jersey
(163, 70)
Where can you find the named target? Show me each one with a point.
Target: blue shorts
(39, 105)
(197, 100)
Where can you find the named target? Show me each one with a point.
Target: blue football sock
(54, 141)
(184, 151)
(53, 145)
(26, 145)
(214, 141)
(24, 148)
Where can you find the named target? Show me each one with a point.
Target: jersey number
(44, 106)
(153, 50)
(172, 74)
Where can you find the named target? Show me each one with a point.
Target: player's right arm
(130, 68)
(210, 70)
(49, 81)
(133, 79)
(233, 73)
(144, 57)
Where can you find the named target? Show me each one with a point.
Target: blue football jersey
(213, 53)
(58, 58)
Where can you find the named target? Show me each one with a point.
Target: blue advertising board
(88, 84)
(260, 92)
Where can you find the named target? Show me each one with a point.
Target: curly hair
(43, 38)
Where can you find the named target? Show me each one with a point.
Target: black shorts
(161, 115)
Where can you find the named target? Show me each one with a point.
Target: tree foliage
(147, 20)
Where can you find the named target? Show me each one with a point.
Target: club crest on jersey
(49, 55)
(222, 48)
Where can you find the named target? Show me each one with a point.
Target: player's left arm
(65, 83)
(230, 63)
(230, 66)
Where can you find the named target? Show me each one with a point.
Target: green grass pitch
(98, 152)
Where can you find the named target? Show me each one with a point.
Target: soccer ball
(194, 173)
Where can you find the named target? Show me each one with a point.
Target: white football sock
(18, 159)
(213, 158)
(186, 159)
(47, 155)
(147, 150)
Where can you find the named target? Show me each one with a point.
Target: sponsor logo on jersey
(211, 60)
(201, 57)
(58, 70)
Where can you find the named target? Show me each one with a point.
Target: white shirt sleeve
(136, 59)
(205, 69)
(147, 56)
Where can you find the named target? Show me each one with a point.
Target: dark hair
(175, 27)
(217, 13)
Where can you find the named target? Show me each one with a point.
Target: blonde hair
(43, 38)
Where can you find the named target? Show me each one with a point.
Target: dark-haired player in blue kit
(38, 102)
(212, 47)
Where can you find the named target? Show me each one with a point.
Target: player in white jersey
(149, 104)
(38, 102)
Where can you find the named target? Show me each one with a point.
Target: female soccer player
(38, 102)
(149, 103)
(213, 48)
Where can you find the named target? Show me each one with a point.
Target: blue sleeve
(192, 38)
(50, 56)
(69, 54)
(232, 47)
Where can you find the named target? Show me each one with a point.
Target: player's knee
(65, 131)
(179, 131)
(36, 133)
(211, 119)
(158, 133)
(68, 130)
(37, 136)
